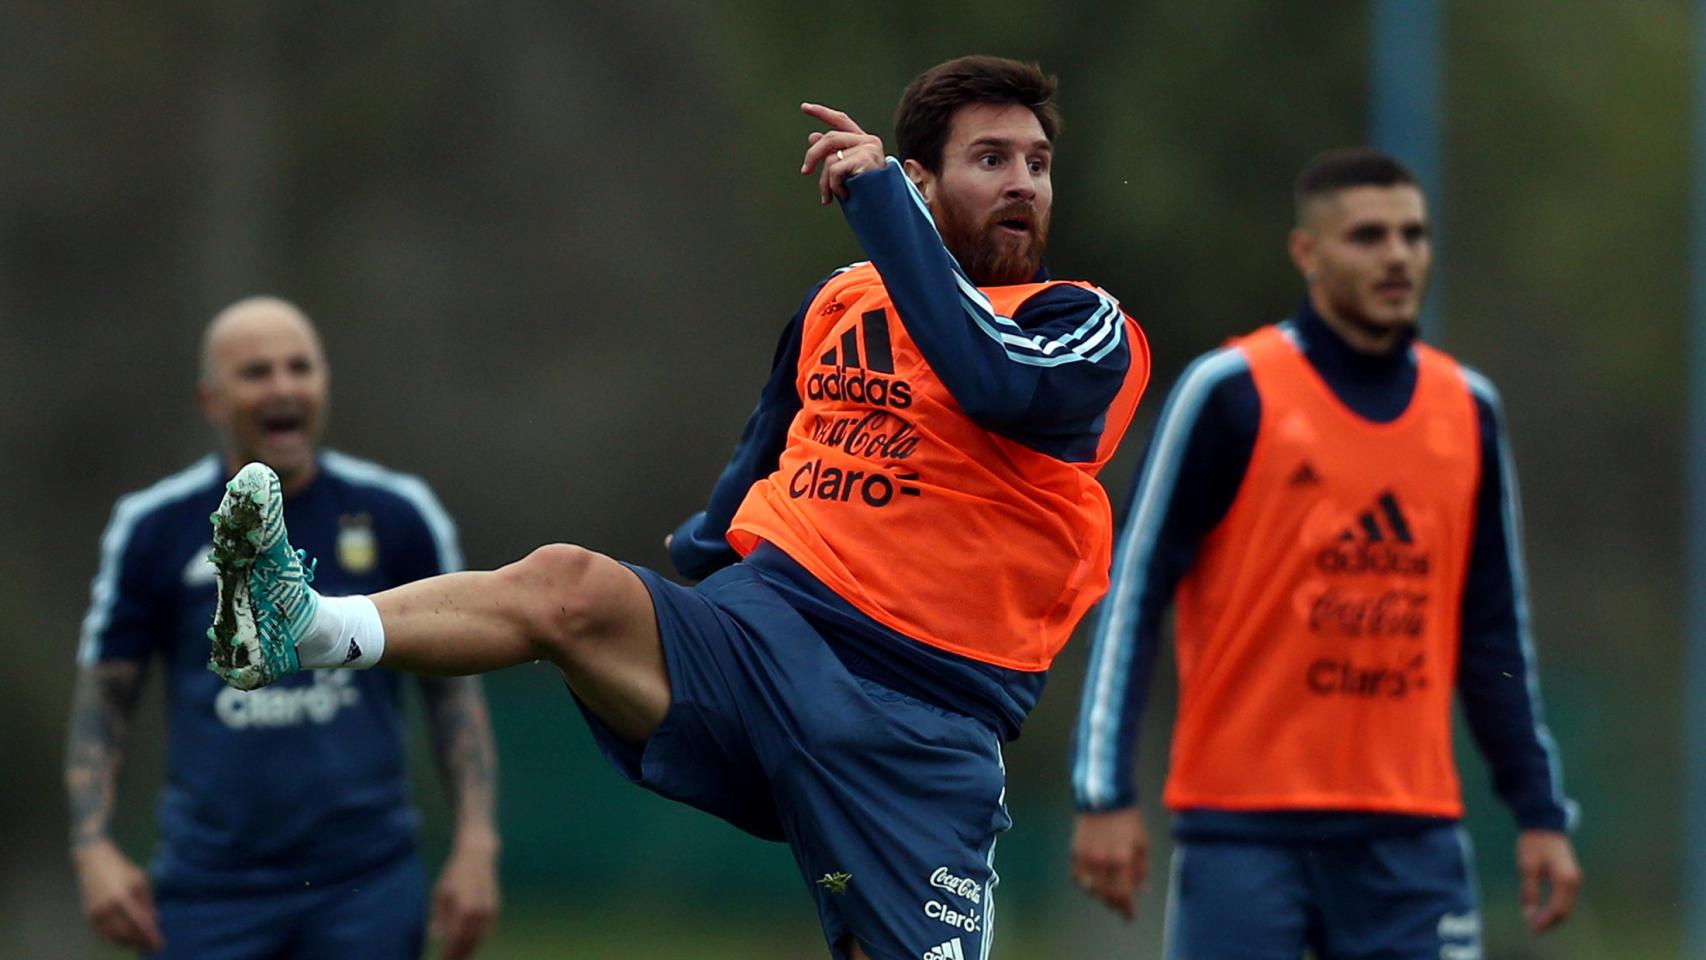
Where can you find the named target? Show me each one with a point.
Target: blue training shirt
(303, 781)
(1190, 476)
(1057, 409)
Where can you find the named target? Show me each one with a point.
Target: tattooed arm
(465, 901)
(116, 896)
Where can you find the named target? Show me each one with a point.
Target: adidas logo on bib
(1368, 523)
(867, 378)
(945, 951)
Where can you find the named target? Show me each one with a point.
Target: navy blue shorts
(891, 805)
(1405, 896)
(377, 915)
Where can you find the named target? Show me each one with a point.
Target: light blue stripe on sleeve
(1114, 639)
(1511, 516)
(129, 510)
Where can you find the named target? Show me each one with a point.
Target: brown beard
(989, 257)
(1352, 315)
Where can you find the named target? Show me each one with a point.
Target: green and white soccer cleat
(264, 602)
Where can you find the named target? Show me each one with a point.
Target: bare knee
(558, 596)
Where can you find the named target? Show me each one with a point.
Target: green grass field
(535, 931)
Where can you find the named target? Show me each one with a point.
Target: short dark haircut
(1348, 167)
(926, 110)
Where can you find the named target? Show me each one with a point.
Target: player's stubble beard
(989, 255)
(1347, 306)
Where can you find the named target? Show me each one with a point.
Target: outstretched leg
(580, 610)
(583, 612)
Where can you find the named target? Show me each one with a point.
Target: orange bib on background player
(924, 521)
(1318, 629)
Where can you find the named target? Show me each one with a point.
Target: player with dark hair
(286, 829)
(1330, 505)
(906, 535)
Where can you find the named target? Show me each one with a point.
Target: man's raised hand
(843, 151)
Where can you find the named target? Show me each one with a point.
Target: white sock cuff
(355, 634)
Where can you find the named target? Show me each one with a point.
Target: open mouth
(277, 425)
(1016, 225)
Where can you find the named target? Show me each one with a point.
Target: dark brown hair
(1348, 167)
(927, 108)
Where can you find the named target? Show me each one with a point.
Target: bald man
(311, 853)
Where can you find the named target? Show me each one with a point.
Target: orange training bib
(921, 519)
(1318, 629)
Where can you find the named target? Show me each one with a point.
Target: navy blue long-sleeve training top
(1056, 407)
(304, 782)
(1208, 432)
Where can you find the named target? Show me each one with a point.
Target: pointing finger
(834, 118)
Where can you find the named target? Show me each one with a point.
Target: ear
(921, 178)
(208, 400)
(1301, 244)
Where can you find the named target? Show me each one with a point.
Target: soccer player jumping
(1330, 505)
(905, 537)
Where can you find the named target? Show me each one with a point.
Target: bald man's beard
(989, 255)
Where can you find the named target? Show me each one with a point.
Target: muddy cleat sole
(264, 603)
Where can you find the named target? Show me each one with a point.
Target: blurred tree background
(550, 248)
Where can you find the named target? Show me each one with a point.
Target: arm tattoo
(462, 745)
(101, 708)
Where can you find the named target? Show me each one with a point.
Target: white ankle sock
(345, 632)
